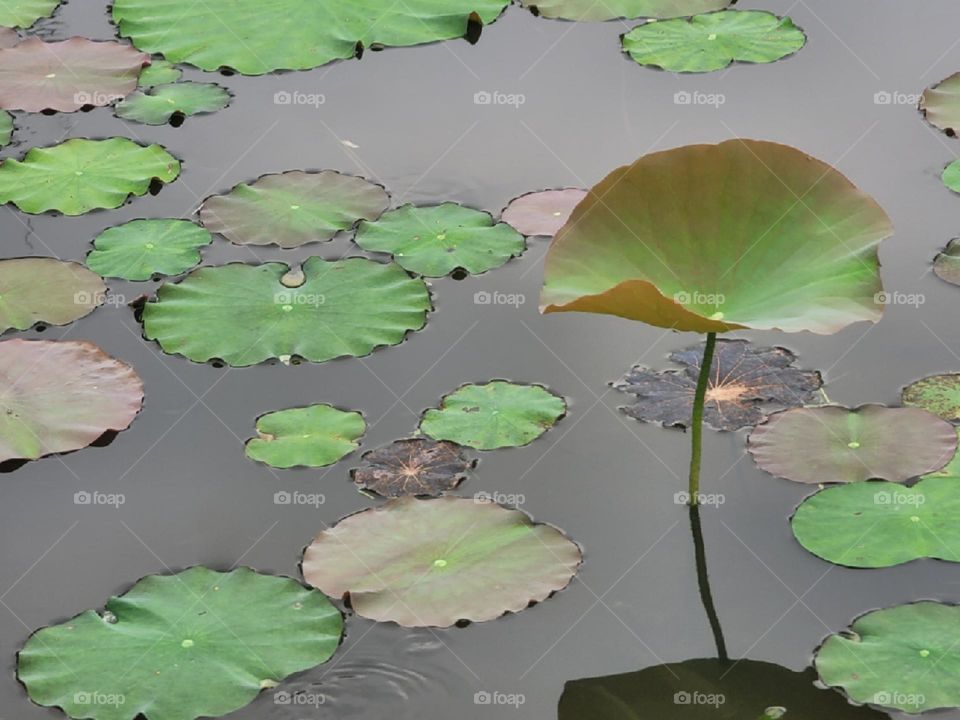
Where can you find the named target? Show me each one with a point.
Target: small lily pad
(140, 249)
(24, 13)
(542, 213)
(946, 265)
(951, 176)
(158, 72)
(47, 290)
(599, 10)
(940, 104)
(939, 394)
(6, 128)
(158, 104)
(498, 414)
(414, 466)
(313, 436)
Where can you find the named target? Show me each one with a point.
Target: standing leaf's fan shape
(6, 128)
(160, 103)
(498, 414)
(196, 644)
(158, 72)
(946, 265)
(58, 395)
(745, 385)
(833, 444)
(40, 289)
(542, 213)
(939, 394)
(940, 104)
(245, 314)
(67, 74)
(951, 176)
(313, 436)
(432, 563)
(293, 208)
(415, 466)
(710, 238)
(435, 241)
(587, 10)
(255, 37)
(80, 175)
(140, 249)
(904, 657)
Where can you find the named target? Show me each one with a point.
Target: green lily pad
(47, 290)
(940, 104)
(587, 10)
(158, 104)
(432, 563)
(709, 42)
(24, 13)
(314, 436)
(946, 265)
(140, 249)
(435, 241)
(199, 643)
(6, 128)
(158, 72)
(903, 657)
(293, 208)
(833, 444)
(290, 34)
(673, 239)
(951, 176)
(245, 314)
(542, 213)
(414, 466)
(939, 394)
(80, 175)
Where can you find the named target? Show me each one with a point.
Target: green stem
(703, 582)
(696, 424)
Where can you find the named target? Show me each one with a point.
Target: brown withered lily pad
(746, 385)
(415, 466)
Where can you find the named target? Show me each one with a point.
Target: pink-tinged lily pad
(58, 395)
(542, 213)
(42, 289)
(432, 563)
(8, 37)
(67, 74)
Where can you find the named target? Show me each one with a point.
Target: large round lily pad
(712, 238)
(586, 10)
(946, 265)
(833, 444)
(422, 563)
(435, 241)
(939, 394)
(59, 395)
(258, 36)
(199, 643)
(24, 13)
(40, 289)
(293, 208)
(414, 466)
(903, 657)
(313, 436)
(940, 104)
(542, 213)
(498, 414)
(158, 104)
(81, 175)
(140, 249)
(245, 314)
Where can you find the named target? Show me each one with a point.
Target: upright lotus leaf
(940, 104)
(245, 314)
(903, 657)
(158, 72)
(255, 38)
(586, 10)
(80, 175)
(415, 466)
(293, 208)
(199, 643)
(939, 394)
(6, 128)
(140, 249)
(313, 436)
(24, 13)
(59, 395)
(542, 213)
(746, 384)
(160, 103)
(65, 75)
(833, 444)
(435, 241)
(47, 290)
(709, 238)
(946, 265)
(431, 563)
(495, 415)
(709, 42)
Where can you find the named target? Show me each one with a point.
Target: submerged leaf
(313, 436)
(585, 10)
(939, 394)
(140, 249)
(940, 104)
(47, 290)
(542, 213)
(414, 466)
(160, 103)
(24, 13)
(946, 265)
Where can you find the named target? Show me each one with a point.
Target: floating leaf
(245, 314)
(939, 394)
(158, 72)
(140, 249)
(60, 395)
(951, 176)
(80, 175)
(542, 213)
(178, 647)
(313, 436)
(431, 563)
(833, 444)
(745, 385)
(414, 466)
(6, 128)
(67, 74)
(160, 103)
(293, 208)
(495, 415)
(902, 657)
(435, 241)
(47, 290)
(710, 238)
(585, 10)
(946, 265)
(940, 104)
(24, 13)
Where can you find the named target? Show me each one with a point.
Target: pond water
(191, 497)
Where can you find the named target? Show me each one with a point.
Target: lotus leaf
(709, 238)
(951, 176)
(542, 213)
(47, 290)
(946, 265)
(293, 208)
(140, 249)
(61, 395)
(6, 128)
(939, 394)
(495, 415)
(940, 104)
(431, 563)
(314, 436)
(160, 103)
(199, 643)
(24, 13)
(159, 72)
(290, 34)
(414, 466)
(245, 314)
(833, 444)
(80, 175)
(585, 10)
(435, 241)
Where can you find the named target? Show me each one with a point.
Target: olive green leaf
(940, 104)
(158, 104)
(47, 290)
(313, 436)
(946, 265)
(140, 249)
(939, 394)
